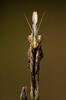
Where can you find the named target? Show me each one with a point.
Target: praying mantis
(35, 54)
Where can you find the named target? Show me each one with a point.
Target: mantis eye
(39, 37)
(29, 38)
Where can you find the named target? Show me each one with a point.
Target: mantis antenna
(28, 22)
(41, 21)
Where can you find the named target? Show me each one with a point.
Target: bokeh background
(14, 72)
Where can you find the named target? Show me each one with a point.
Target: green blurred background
(14, 46)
